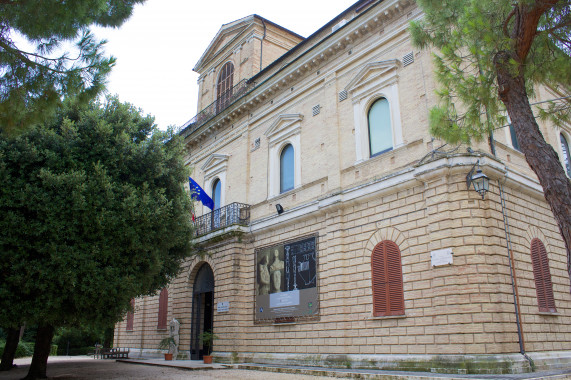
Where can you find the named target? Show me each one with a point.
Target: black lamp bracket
(470, 173)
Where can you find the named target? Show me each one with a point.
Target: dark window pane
(216, 189)
(380, 131)
(286, 169)
(515, 144)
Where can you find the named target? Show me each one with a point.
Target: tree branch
(512, 13)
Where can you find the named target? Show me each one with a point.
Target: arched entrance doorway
(202, 309)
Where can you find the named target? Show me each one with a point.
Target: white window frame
(508, 134)
(374, 81)
(215, 168)
(567, 135)
(286, 129)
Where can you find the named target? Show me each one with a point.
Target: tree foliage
(469, 34)
(491, 56)
(65, 59)
(94, 213)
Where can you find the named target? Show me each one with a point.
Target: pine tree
(490, 57)
(34, 82)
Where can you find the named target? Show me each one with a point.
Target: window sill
(549, 314)
(162, 328)
(388, 317)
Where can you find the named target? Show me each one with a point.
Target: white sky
(159, 45)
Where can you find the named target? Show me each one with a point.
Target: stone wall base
(550, 360)
(148, 353)
(456, 364)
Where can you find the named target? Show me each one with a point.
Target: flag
(198, 194)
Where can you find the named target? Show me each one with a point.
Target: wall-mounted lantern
(480, 181)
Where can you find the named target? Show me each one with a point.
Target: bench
(115, 353)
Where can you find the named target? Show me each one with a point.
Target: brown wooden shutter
(131, 316)
(224, 87)
(386, 269)
(163, 309)
(542, 276)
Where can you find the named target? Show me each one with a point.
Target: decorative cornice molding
(308, 61)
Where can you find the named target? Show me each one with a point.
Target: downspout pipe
(262, 44)
(513, 278)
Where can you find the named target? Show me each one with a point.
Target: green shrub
(76, 341)
(25, 349)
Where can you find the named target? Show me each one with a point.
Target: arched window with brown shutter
(163, 309)
(386, 277)
(224, 86)
(542, 276)
(131, 316)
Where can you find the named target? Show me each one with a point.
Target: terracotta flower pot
(168, 356)
(207, 359)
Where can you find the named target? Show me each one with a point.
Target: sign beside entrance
(222, 307)
(286, 282)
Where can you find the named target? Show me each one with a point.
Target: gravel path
(83, 368)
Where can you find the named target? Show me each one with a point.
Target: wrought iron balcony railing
(220, 104)
(232, 214)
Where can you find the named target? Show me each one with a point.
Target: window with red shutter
(163, 309)
(131, 316)
(386, 277)
(542, 276)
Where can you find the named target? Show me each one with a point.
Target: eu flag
(199, 194)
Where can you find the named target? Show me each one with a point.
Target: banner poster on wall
(286, 282)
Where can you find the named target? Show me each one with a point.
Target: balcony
(233, 214)
(220, 104)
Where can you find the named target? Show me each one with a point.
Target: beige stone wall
(465, 308)
(408, 195)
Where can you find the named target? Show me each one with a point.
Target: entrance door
(202, 309)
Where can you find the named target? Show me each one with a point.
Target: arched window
(380, 131)
(216, 193)
(566, 156)
(224, 87)
(163, 309)
(131, 316)
(286, 169)
(542, 276)
(386, 270)
(515, 143)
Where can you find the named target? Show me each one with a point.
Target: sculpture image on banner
(286, 281)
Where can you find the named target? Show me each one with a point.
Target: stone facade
(316, 97)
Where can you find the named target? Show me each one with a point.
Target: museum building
(343, 234)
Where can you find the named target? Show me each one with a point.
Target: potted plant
(208, 338)
(168, 343)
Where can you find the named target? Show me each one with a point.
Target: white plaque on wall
(441, 257)
(223, 306)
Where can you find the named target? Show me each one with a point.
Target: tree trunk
(42, 348)
(10, 349)
(540, 156)
(108, 337)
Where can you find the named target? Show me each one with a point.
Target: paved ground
(86, 368)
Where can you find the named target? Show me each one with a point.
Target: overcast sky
(159, 45)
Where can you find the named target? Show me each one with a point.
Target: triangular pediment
(215, 161)
(227, 33)
(283, 122)
(374, 71)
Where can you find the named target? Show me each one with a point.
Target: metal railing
(220, 104)
(234, 213)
